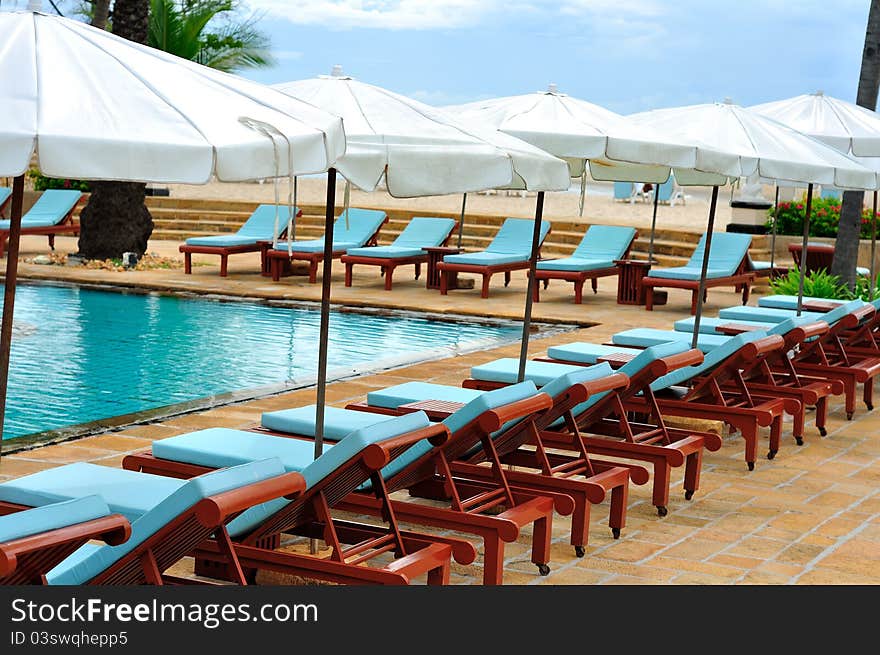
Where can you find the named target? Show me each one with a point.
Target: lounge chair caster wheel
(615, 532)
(543, 569)
(870, 406)
(661, 510)
(771, 454)
(580, 551)
(799, 441)
(751, 466)
(849, 416)
(823, 432)
(688, 494)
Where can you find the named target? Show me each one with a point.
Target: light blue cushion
(51, 517)
(411, 392)
(559, 385)
(5, 192)
(831, 317)
(712, 359)
(782, 301)
(424, 232)
(644, 337)
(652, 354)
(49, 209)
(506, 370)
(586, 353)
(604, 242)
(357, 230)
(515, 236)
(490, 400)
(727, 252)
(260, 226)
(861, 270)
(760, 266)
(80, 569)
(392, 252)
(225, 240)
(574, 264)
(338, 422)
(317, 245)
(762, 314)
(709, 323)
(485, 258)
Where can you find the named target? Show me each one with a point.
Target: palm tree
(846, 250)
(202, 30)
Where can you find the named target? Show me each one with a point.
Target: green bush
(41, 182)
(824, 218)
(821, 284)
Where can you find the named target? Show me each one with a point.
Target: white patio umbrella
(91, 105)
(843, 125)
(764, 147)
(423, 151)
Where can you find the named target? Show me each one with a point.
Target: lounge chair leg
(439, 575)
(389, 273)
(187, 263)
(506, 278)
(693, 466)
(868, 393)
(649, 299)
(578, 292)
(821, 415)
(595, 284)
(444, 283)
(51, 242)
(746, 291)
(775, 437)
(493, 560)
(2, 245)
(313, 271)
(348, 267)
(418, 269)
(546, 283)
(660, 491)
(485, 292)
(617, 513)
(536, 293)
(541, 534)
(749, 432)
(694, 296)
(223, 264)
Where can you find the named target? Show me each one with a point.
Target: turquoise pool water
(81, 355)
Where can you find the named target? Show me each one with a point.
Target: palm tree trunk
(115, 220)
(100, 13)
(846, 250)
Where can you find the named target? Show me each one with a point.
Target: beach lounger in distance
(50, 215)
(508, 251)
(260, 226)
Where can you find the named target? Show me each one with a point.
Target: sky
(626, 55)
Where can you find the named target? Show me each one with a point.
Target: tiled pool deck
(810, 516)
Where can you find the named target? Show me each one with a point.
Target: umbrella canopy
(762, 147)
(419, 149)
(845, 126)
(92, 105)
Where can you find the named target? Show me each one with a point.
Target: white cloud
(612, 8)
(383, 14)
(287, 55)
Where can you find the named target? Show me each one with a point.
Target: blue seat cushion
(316, 245)
(604, 242)
(49, 209)
(506, 370)
(424, 232)
(760, 266)
(393, 252)
(486, 258)
(81, 569)
(708, 324)
(713, 359)
(51, 517)
(260, 225)
(782, 301)
(574, 264)
(338, 422)
(586, 353)
(728, 251)
(515, 237)
(762, 314)
(559, 385)
(356, 227)
(490, 400)
(644, 337)
(686, 273)
(411, 392)
(224, 241)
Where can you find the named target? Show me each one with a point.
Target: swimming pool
(81, 355)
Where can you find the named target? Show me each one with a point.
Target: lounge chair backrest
(51, 517)
(53, 204)
(728, 251)
(840, 311)
(5, 192)
(362, 224)
(564, 382)
(261, 224)
(186, 496)
(713, 358)
(605, 242)
(515, 236)
(664, 191)
(424, 232)
(623, 190)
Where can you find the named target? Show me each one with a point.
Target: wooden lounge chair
(586, 479)
(727, 267)
(599, 425)
(260, 226)
(465, 503)
(508, 251)
(168, 517)
(698, 390)
(50, 215)
(356, 462)
(407, 249)
(595, 257)
(819, 257)
(359, 229)
(34, 541)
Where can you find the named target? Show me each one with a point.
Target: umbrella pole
(583, 193)
(653, 227)
(533, 264)
(461, 218)
(9, 293)
(705, 267)
(873, 246)
(324, 330)
(808, 209)
(773, 238)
